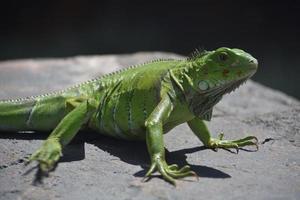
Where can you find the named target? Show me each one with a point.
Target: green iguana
(138, 103)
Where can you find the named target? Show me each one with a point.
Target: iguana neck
(202, 102)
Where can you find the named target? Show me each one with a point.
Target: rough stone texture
(97, 167)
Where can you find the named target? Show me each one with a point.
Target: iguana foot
(169, 172)
(47, 155)
(216, 143)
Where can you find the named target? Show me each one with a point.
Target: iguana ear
(207, 116)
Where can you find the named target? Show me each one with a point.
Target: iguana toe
(169, 172)
(236, 144)
(47, 155)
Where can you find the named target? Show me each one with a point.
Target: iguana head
(221, 70)
(211, 74)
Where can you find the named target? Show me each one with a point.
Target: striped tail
(33, 114)
(14, 115)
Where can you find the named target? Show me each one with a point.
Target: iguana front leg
(200, 130)
(155, 144)
(51, 150)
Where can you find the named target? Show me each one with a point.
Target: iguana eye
(223, 56)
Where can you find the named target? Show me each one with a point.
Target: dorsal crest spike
(197, 53)
(20, 100)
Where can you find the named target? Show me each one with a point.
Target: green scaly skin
(139, 103)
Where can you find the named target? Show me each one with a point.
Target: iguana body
(138, 103)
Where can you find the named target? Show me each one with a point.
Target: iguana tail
(31, 114)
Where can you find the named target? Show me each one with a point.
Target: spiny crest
(21, 100)
(120, 71)
(197, 53)
(16, 100)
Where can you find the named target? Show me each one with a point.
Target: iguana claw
(169, 172)
(47, 155)
(236, 144)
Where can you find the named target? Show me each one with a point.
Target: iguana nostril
(253, 62)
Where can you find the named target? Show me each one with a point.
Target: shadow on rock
(136, 153)
(39, 174)
(203, 171)
(26, 135)
(132, 152)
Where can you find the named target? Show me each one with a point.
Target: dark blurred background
(269, 30)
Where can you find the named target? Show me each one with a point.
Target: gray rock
(97, 167)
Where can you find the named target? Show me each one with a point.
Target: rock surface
(97, 167)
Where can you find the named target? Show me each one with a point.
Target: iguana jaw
(227, 85)
(222, 87)
(233, 85)
(202, 101)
